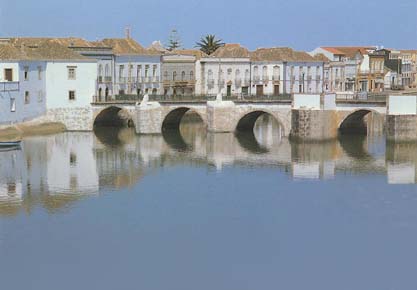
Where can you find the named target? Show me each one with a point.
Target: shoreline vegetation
(19, 131)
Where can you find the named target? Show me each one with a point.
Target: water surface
(192, 210)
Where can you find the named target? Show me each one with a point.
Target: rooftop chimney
(127, 31)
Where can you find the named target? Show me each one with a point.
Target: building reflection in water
(56, 171)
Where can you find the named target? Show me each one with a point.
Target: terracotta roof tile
(125, 46)
(41, 50)
(280, 54)
(231, 50)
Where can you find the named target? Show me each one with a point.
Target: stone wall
(401, 127)
(314, 125)
(74, 119)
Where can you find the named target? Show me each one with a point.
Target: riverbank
(19, 131)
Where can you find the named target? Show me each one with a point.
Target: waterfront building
(43, 77)
(179, 72)
(282, 70)
(226, 71)
(409, 68)
(136, 69)
(344, 66)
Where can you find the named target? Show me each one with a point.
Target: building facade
(226, 71)
(179, 72)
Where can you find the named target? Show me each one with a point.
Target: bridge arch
(114, 116)
(247, 121)
(172, 119)
(356, 122)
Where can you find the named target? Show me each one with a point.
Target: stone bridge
(305, 116)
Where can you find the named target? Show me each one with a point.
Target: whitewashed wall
(58, 85)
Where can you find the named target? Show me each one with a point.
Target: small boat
(7, 144)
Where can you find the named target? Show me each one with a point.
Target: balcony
(276, 78)
(9, 86)
(102, 79)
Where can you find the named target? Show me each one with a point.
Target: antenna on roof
(127, 31)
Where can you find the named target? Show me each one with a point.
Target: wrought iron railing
(9, 86)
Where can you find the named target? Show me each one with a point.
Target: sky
(301, 24)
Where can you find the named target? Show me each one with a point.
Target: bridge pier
(149, 118)
(402, 118)
(314, 125)
(314, 117)
(221, 116)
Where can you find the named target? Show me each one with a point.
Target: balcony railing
(102, 79)
(9, 86)
(194, 98)
(361, 96)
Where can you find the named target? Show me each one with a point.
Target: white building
(345, 63)
(282, 70)
(44, 78)
(226, 71)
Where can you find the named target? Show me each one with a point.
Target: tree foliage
(174, 41)
(209, 44)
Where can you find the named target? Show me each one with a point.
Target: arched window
(174, 76)
(166, 75)
(100, 70)
(107, 70)
(265, 73)
(247, 75)
(191, 75)
(255, 71)
(276, 73)
(183, 76)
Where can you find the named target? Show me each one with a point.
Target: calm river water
(192, 210)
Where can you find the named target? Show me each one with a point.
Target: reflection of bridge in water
(54, 171)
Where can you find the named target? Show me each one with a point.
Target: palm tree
(209, 44)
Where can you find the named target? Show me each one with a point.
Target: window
(183, 76)
(27, 98)
(121, 72)
(39, 73)
(71, 73)
(73, 159)
(247, 75)
(8, 74)
(256, 72)
(107, 70)
(40, 96)
(146, 71)
(191, 75)
(26, 73)
(165, 75)
(139, 71)
(71, 95)
(276, 73)
(229, 71)
(237, 76)
(12, 105)
(155, 68)
(265, 73)
(174, 76)
(100, 70)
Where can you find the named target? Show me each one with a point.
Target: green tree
(209, 44)
(174, 41)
